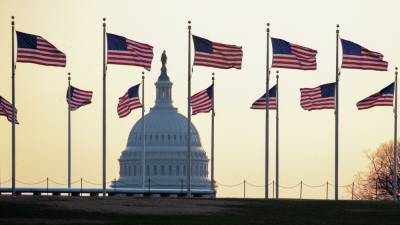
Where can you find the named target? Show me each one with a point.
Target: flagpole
(188, 169)
(143, 135)
(267, 119)
(104, 107)
(337, 117)
(212, 136)
(395, 140)
(69, 129)
(277, 135)
(14, 193)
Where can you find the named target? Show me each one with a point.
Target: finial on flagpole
(142, 74)
(189, 24)
(268, 27)
(337, 28)
(12, 20)
(104, 21)
(277, 74)
(69, 76)
(396, 69)
(213, 75)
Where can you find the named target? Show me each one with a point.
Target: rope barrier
(92, 183)
(77, 181)
(255, 185)
(63, 184)
(155, 183)
(31, 183)
(290, 187)
(242, 184)
(58, 183)
(39, 182)
(6, 181)
(98, 184)
(341, 186)
(314, 186)
(229, 185)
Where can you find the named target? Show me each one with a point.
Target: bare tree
(376, 182)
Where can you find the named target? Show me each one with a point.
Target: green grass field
(164, 211)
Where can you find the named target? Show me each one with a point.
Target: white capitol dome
(166, 147)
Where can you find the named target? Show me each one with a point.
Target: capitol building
(165, 150)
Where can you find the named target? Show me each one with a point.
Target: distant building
(166, 148)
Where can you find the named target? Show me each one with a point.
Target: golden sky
(307, 138)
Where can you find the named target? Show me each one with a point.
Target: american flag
(358, 57)
(383, 98)
(123, 51)
(321, 97)
(6, 110)
(35, 49)
(129, 101)
(217, 55)
(260, 103)
(292, 56)
(202, 101)
(78, 97)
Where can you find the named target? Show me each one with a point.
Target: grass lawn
(164, 211)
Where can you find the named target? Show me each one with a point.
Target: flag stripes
(123, 51)
(6, 110)
(129, 101)
(375, 100)
(217, 55)
(35, 49)
(321, 97)
(201, 102)
(126, 105)
(78, 97)
(358, 57)
(292, 56)
(261, 103)
(382, 98)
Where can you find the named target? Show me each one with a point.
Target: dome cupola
(163, 87)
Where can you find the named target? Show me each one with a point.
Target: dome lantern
(163, 86)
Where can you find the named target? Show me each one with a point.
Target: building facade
(165, 148)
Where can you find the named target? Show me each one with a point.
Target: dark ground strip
(149, 211)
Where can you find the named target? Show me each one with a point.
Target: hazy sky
(307, 138)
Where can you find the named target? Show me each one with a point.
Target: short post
(352, 191)
(47, 185)
(149, 184)
(115, 185)
(395, 155)
(327, 189)
(181, 185)
(273, 188)
(81, 187)
(244, 188)
(301, 189)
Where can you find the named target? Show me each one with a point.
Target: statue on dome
(164, 59)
